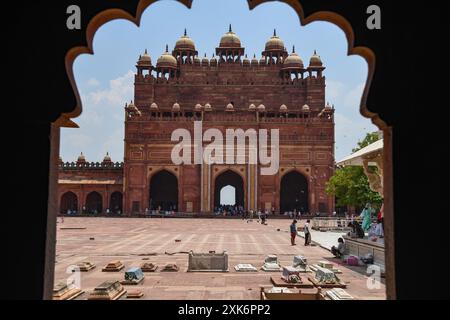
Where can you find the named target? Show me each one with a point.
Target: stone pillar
(205, 202)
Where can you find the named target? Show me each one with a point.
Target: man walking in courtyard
(307, 233)
(293, 232)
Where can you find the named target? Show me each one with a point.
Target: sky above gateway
(105, 79)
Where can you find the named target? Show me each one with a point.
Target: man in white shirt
(307, 233)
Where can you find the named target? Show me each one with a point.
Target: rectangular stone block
(208, 262)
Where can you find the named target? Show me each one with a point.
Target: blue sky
(105, 79)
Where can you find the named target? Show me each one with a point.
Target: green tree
(369, 139)
(351, 188)
(350, 185)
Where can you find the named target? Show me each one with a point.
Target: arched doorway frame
(153, 173)
(219, 174)
(217, 170)
(77, 199)
(305, 174)
(110, 206)
(329, 16)
(99, 206)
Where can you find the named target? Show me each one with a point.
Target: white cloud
(119, 91)
(93, 82)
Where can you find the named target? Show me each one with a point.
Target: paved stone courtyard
(132, 240)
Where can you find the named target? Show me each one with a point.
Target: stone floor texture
(137, 240)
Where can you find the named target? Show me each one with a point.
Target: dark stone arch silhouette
(69, 201)
(116, 202)
(294, 193)
(397, 94)
(94, 203)
(163, 191)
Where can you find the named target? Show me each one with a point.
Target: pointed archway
(94, 203)
(115, 202)
(227, 179)
(163, 191)
(294, 193)
(69, 201)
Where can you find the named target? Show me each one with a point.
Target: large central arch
(229, 178)
(294, 192)
(163, 191)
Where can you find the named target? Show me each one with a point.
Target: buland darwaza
(226, 91)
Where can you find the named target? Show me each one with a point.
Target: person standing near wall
(293, 232)
(307, 231)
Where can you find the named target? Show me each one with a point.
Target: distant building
(229, 90)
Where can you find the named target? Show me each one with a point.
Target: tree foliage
(351, 188)
(350, 185)
(369, 139)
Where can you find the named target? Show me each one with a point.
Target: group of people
(230, 210)
(306, 231)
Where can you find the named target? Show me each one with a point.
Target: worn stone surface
(128, 240)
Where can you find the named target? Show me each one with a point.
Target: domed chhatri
(283, 108)
(145, 60)
(154, 106)
(230, 40)
(176, 107)
(81, 158)
(107, 158)
(246, 61)
(315, 60)
(306, 108)
(230, 49)
(205, 61)
(184, 50)
(275, 51)
(255, 60)
(230, 107)
(185, 43)
(275, 43)
(167, 61)
(208, 107)
(293, 61)
(252, 107)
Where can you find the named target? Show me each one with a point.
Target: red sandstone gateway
(227, 91)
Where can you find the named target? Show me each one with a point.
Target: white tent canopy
(356, 159)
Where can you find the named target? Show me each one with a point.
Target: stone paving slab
(131, 240)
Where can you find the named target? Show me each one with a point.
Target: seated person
(357, 230)
(338, 251)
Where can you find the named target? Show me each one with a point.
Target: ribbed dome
(246, 61)
(107, 158)
(81, 158)
(205, 61)
(198, 107)
(213, 61)
(230, 40)
(196, 60)
(293, 61)
(131, 107)
(305, 108)
(261, 107)
(167, 60)
(154, 106)
(176, 107)
(230, 107)
(185, 43)
(283, 108)
(275, 43)
(145, 60)
(252, 107)
(208, 107)
(315, 60)
(254, 60)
